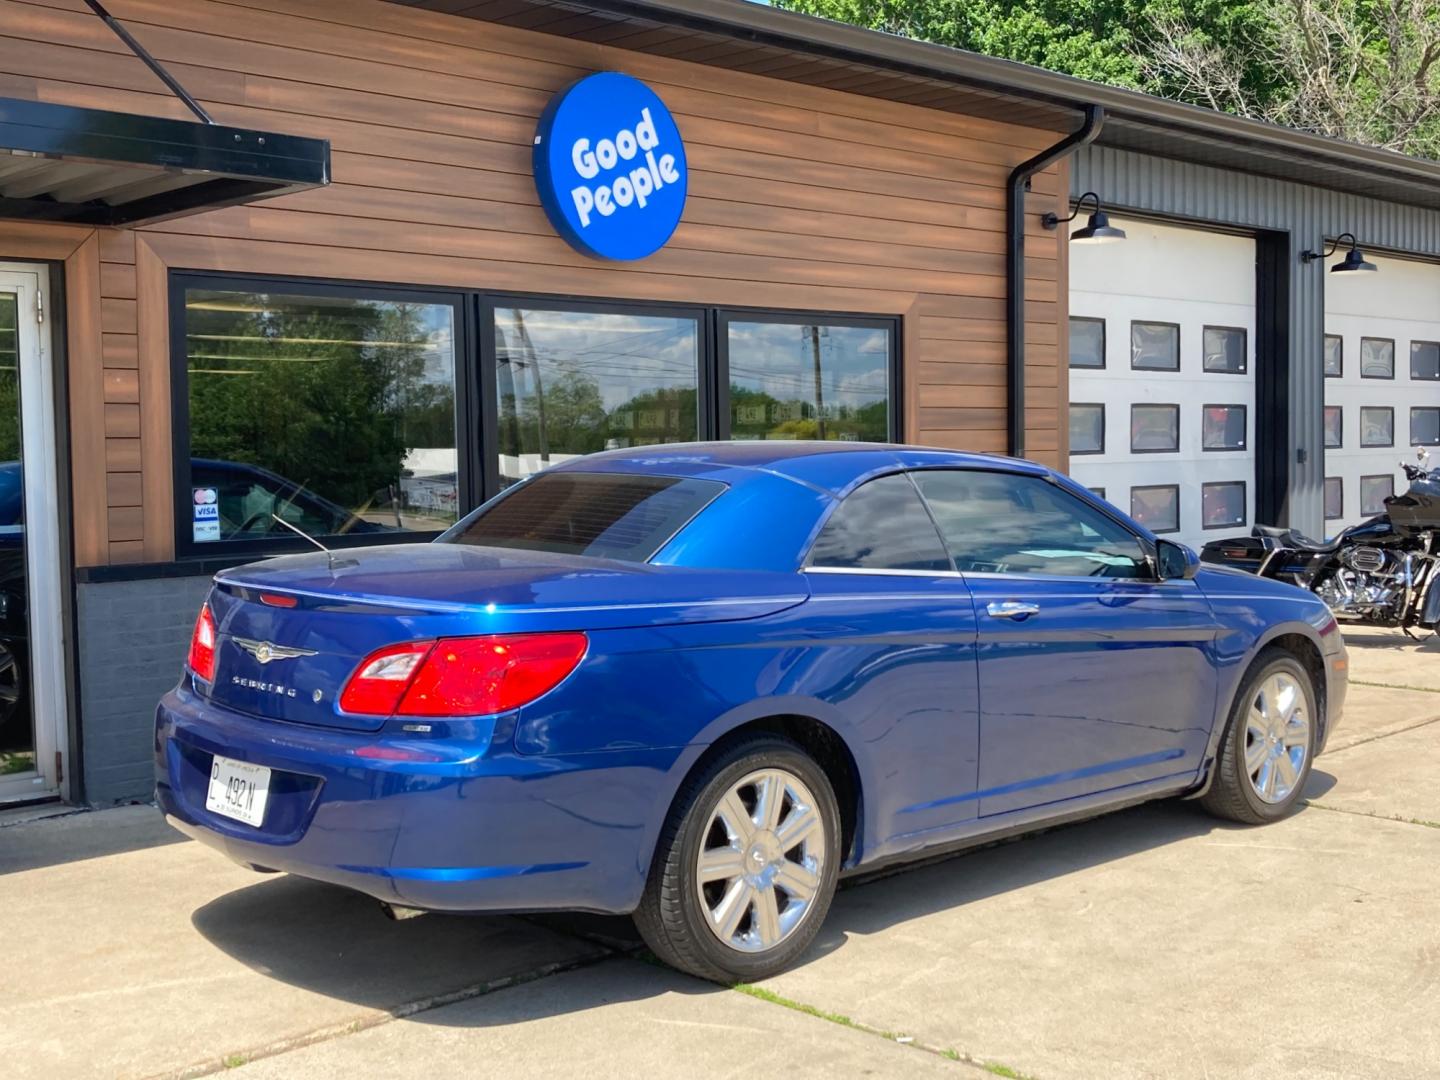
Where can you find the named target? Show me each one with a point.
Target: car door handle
(1011, 609)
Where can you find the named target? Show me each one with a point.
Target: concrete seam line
(759, 993)
(1383, 735)
(1378, 817)
(1395, 686)
(365, 1023)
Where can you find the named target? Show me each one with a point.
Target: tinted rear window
(608, 515)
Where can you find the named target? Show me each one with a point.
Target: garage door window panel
(1425, 360)
(1425, 426)
(1377, 358)
(1374, 490)
(1154, 429)
(881, 526)
(1003, 523)
(1155, 346)
(1377, 426)
(1334, 356)
(1087, 428)
(1334, 498)
(1222, 504)
(1334, 427)
(1224, 427)
(1087, 343)
(1225, 350)
(1157, 507)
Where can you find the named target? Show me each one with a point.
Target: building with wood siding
(356, 324)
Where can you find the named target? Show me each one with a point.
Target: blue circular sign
(610, 167)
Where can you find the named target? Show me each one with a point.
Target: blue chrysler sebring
(698, 683)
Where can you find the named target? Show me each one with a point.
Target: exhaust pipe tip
(399, 913)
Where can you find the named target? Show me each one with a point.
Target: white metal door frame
(30, 284)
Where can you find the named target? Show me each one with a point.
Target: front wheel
(1266, 751)
(746, 867)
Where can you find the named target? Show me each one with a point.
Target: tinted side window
(881, 525)
(996, 522)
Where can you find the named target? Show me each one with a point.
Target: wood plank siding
(801, 197)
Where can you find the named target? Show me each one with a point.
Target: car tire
(739, 920)
(1266, 752)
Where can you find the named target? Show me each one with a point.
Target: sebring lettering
(635, 186)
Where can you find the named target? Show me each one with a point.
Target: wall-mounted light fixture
(1097, 230)
(1354, 260)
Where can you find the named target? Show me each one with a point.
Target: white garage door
(1162, 377)
(1382, 382)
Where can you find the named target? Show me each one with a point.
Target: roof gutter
(1016, 190)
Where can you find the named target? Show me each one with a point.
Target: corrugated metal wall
(1310, 215)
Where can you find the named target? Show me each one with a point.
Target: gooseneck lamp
(1097, 230)
(1354, 259)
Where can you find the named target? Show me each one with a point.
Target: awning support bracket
(149, 61)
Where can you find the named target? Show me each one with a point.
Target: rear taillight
(462, 676)
(202, 645)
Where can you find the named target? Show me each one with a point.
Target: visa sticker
(206, 522)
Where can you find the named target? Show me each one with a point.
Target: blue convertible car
(698, 683)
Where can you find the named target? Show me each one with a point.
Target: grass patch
(999, 1069)
(799, 1006)
(234, 1061)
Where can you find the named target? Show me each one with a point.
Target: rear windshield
(608, 515)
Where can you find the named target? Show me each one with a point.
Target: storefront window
(808, 380)
(574, 382)
(333, 410)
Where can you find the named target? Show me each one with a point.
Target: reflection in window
(1154, 428)
(1154, 346)
(996, 522)
(1377, 358)
(335, 412)
(1425, 360)
(1223, 427)
(1157, 507)
(1087, 343)
(10, 391)
(1424, 426)
(1098, 492)
(1334, 356)
(1334, 427)
(1377, 426)
(1334, 498)
(809, 381)
(1087, 429)
(1224, 348)
(1222, 504)
(1374, 490)
(881, 525)
(575, 382)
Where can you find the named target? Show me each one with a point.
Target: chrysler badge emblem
(265, 651)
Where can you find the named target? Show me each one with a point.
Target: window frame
(1104, 342)
(1179, 527)
(1340, 410)
(1327, 339)
(1179, 346)
(1157, 405)
(1424, 378)
(476, 393)
(1374, 445)
(1244, 438)
(1420, 409)
(1390, 476)
(1361, 359)
(1103, 431)
(1340, 480)
(1244, 501)
(1244, 351)
(467, 474)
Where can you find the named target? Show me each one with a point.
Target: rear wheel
(1268, 745)
(746, 867)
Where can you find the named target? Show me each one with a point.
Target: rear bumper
(468, 829)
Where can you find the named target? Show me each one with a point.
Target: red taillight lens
(462, 676)
(202, 645)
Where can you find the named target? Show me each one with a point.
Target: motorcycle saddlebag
(1241, 552)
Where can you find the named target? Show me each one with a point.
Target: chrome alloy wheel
(760, 860)
(1277, 737)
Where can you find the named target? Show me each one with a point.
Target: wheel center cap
(764, 850)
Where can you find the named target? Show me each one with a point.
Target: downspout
(1015, 268)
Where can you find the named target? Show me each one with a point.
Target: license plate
(238, 790)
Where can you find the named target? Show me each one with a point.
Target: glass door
(32, 702)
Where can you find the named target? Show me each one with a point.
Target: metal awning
(94, 167)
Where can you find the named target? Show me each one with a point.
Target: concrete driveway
(1152, 943)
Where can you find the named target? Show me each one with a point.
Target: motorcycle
(1381, 572)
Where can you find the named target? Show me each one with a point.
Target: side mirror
(1174, 560)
